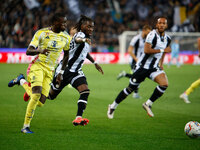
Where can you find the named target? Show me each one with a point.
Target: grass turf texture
(131, 127)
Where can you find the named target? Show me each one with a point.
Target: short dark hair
(156, 20)
(82, 19)
(159, 18)
(56, 17)
(145, 27)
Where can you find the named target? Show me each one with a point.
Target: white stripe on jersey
(148, 61)
(77, 53)
(138, 43)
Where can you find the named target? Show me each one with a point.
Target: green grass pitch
(130, 129)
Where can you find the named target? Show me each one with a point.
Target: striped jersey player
(150, 65)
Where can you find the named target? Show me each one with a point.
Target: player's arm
(31, 50)
(89, 57)
(80, 40)
(59, 77)
(130, 51)
(149, 50)
(161, 61)
(66, 48)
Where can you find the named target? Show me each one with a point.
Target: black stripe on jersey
(144, 59)
(168, 41)
(79, 65)
(136, 47)
(152, 63)
(154, 41)
(76, 55)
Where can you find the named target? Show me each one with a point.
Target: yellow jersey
(55, 42)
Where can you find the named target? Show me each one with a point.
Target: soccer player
(47, 43)
(73, 74)
(193, 86)
(135, 50)
(150, 65)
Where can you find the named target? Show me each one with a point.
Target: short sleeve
(150, 37)
(80, 35)
(133, 41)
(35, 39)
(66, 48)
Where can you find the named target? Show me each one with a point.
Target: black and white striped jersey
(149, 61)
(77, 53)
(138, 43)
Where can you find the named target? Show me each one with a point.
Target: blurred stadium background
(20, 19)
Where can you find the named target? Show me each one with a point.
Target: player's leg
(192, 87)
(45, 88)
(160, 78)
(36, 76)
(134, 82)
(81, 85)
(135, 92)
(20, 80)
(54, 89)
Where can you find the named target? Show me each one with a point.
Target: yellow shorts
(40, 76)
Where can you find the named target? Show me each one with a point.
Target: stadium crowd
(21, 19)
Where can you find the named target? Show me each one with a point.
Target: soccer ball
(192, 129)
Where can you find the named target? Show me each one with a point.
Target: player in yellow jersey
(48, 44)
(193, 86)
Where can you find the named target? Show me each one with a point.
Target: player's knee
(35, 97)
(132, 87)
(84, 94)
(37, 89)
(163, 87)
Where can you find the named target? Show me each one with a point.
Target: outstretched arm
(89, 57)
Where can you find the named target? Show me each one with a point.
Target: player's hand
(199, 55)
(43, 51)
(167, 50)
(161, 67)
(59, 79)
(99, 68)
(88, 41)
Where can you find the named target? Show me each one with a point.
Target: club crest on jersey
(54, 43)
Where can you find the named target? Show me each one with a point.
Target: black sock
(82, 102)
(81, 108)
(158, 92)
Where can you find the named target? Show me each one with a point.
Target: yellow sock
(31, 108)
(27, 88)
(193, 86)
(40, 104)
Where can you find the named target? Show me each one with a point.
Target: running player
(193, 86)
(47, 43)
(135, 50)
(150, 65)
(73, 74)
